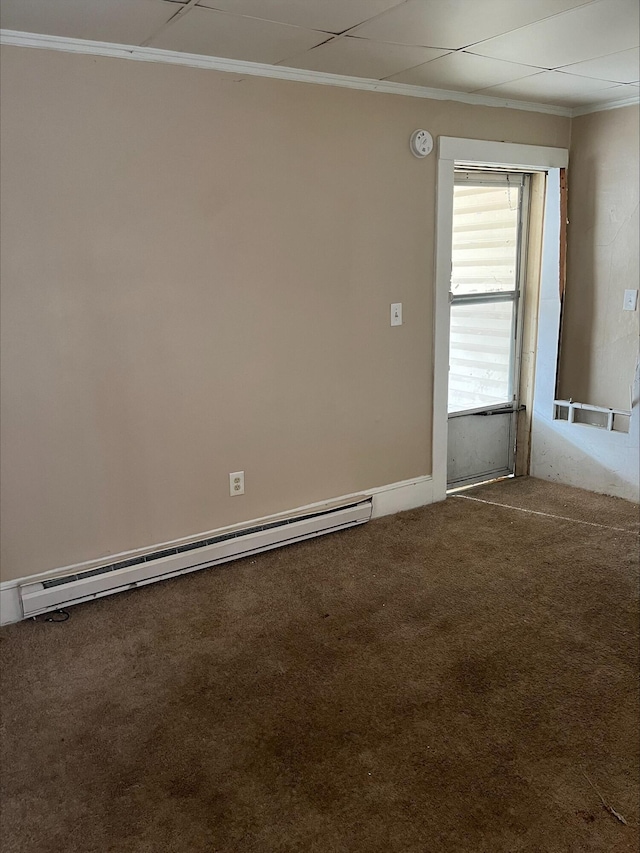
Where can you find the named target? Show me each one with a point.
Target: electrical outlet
(236, 483)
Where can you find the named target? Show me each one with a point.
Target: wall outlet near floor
(236, 483)
(630, 302)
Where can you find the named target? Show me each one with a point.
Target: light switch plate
(630, 300)
(396, 313)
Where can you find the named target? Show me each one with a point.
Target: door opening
(489, 255)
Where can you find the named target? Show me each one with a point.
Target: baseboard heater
(65, 590)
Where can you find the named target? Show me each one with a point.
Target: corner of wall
(576, 454)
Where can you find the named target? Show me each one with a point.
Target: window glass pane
(485, 236)
(480, 355)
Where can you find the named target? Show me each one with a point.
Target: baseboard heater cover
(42, 596)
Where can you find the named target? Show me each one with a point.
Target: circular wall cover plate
(421, 143)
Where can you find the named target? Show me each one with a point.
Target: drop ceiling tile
(607, 26)
(212, 33)
(623, 67)
(457, 23)
(120, 21)
(615, 93)
(333, 16)
(464, 72)
(550, 87)
(361, 58)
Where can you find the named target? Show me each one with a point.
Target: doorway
(545, 163)
(488, 271)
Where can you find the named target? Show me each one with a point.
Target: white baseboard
(389, 499)
(10, 607)
(397, 497)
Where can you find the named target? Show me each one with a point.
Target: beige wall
(197, 269)
(600, 340)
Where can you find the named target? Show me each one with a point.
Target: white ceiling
(566, 53)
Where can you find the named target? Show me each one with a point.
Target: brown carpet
(449, 679)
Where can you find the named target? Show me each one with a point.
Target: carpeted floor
(461, 678)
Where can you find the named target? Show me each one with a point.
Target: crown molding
(608, 105)
(281, 72)
(257, 69)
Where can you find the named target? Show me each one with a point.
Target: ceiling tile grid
(622, 67)
(455, 24)
(566, 89)
(587, 32)
(355, 57)
(331, 16)
(212, 33)
(564, 53)
(464, 72)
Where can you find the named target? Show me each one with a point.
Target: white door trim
(454, 151)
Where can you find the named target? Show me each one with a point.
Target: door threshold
(466, 486)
